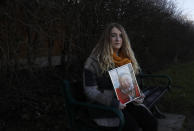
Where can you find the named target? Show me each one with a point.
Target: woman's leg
(130, 122)
(144, 117)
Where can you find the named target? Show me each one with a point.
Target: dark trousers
(137, 117)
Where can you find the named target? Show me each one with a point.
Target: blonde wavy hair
(104, 51)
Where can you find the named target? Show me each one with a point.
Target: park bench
(153, 86)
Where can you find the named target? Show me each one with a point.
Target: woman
(114, 50)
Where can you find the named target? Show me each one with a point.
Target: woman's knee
(151, 125)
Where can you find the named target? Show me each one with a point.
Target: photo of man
(127, 90)
(125, 84)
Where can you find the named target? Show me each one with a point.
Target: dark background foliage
(30, 95)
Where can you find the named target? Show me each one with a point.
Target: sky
(187, 6)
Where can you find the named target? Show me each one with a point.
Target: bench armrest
(105, 108)
(147, 76)
(73, 102)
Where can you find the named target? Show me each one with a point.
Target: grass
(181, 98)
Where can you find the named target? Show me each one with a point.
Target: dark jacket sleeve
(91, 88)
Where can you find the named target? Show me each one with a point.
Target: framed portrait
(125, 84)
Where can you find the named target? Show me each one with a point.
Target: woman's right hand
(121, 106)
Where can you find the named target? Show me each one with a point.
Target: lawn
(181, 98)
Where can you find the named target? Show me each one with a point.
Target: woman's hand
(140, 99)
(121, 106)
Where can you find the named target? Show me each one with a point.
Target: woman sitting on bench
(114, 50)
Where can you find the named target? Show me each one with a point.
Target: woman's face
(116, 39)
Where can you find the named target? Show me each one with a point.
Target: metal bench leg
(157, 113)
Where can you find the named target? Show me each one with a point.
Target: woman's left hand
(122, 106)
(140, 99)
